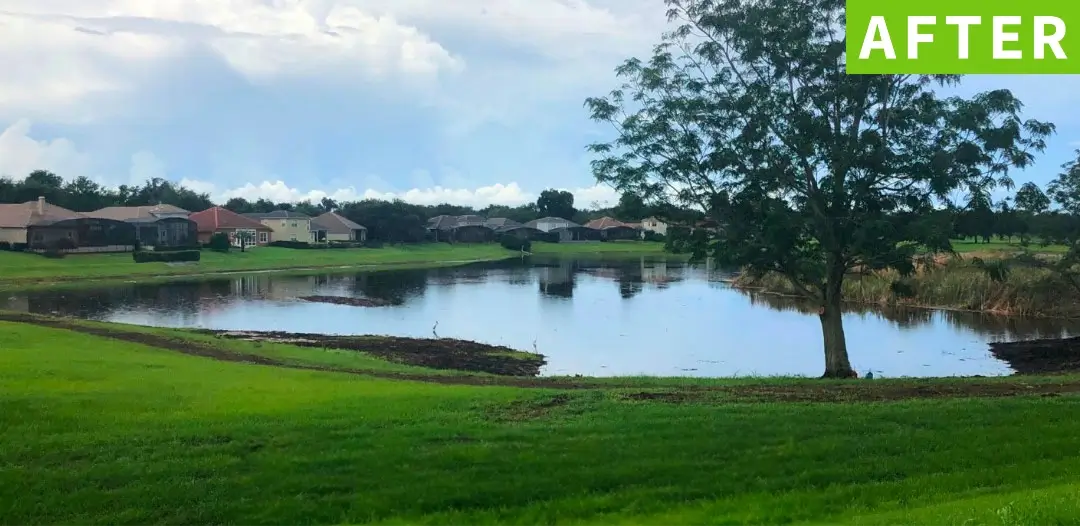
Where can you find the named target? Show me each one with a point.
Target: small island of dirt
(441, 353)
(1057, 355)
(344, 300)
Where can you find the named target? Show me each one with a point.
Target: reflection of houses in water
(557, 280)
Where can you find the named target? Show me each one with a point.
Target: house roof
(335, 224)
(606, 222)
(125, 213)
(549, 219)
(22, 215)
(501, 222)
(217, 218)
(277, 214)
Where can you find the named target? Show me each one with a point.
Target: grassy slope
(969, 246)
(100, 431)
(25, 267)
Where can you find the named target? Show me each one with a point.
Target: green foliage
(219, 242)
(556, 203)
(141, 256)
(510, 242)
(745, 111)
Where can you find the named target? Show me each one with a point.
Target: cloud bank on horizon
(471, 102)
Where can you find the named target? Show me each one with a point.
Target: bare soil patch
(433, 353)
(1048, 356)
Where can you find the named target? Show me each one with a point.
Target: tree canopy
(745, 111)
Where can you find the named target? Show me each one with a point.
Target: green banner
(963, 36)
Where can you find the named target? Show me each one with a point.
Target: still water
(643, 316)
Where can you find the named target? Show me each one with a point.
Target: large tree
(745, 111)
(556, 203)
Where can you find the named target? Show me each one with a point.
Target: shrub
(53, 253)
(19, 247)
(292, 244)
(653, 236)
(219, 242)
(515, 243)
(373, 244)
(166, 257)
(5, 245)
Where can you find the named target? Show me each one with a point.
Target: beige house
(653, 224)
(332, 226)
(16, 218)
(286, 225)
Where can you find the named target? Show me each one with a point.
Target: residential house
(286, 225)
(41, 226)
(461, 229)
(613, 229)
(155, 226)
(332, 226)
(219, 220)
(564, 229)
(652, 224)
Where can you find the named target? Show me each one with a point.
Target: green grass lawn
(102, 431)
(21, 268)
(597, 247)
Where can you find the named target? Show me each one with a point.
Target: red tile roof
(217, 218)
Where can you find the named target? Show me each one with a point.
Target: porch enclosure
(82, 235)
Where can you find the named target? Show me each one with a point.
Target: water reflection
(590, 316)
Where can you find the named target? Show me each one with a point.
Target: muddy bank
(1058, 355)
(441, 353)
(343, 300)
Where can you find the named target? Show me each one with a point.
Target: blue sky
(471, 101)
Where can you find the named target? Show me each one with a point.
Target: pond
(595, 317)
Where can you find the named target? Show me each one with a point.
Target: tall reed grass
(956, 284)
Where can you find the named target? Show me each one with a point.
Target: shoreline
(429, 255)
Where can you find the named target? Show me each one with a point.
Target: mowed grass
(599, 247)
(20, 268)
(99, 431)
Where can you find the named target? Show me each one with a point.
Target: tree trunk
(837, 364)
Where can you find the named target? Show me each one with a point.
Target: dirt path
(853, 391)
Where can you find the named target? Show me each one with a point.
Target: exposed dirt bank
(1058, 355)
(441, 353)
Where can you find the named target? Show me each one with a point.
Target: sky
(471, 102)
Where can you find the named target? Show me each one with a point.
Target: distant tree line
(388, 221)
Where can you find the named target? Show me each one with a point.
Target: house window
(264, 237)
(294, 224)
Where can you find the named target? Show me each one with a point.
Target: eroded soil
(1058, 355)
(441, 353)
(808, 391)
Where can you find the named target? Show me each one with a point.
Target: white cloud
(21, 154)
(510, 194)
(58, 54)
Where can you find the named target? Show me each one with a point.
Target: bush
(515, 243)
(293, 244)
(166, 257)
(19, 247)
(653, 236)
(219, 242)
(53, 253)
(5, 245)
(373, 244)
